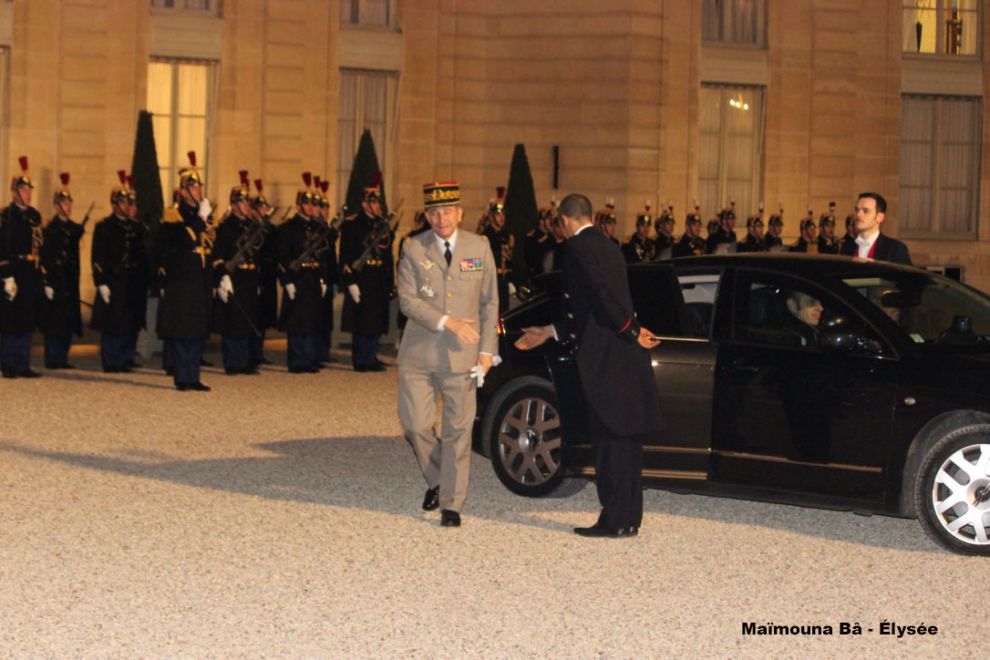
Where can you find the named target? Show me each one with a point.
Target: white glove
(10, 287)
(512, 289)
(290, 290)
(104, 293)
(205, 209)
(477, 374)
(49, 293)
(323, 289)
(355, 292)
(226, 288)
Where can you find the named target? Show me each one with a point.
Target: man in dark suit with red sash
(597, 321)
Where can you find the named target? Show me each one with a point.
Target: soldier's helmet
(242, 191)
(666, 219)
(190, 176)
(644, 218)
(777, 219)
(497, 203)
(62, 194)
(305, 194)
(713, 226)
(318, 191)
(828, 219)
(259, 200)
(118, 194)
(131, 192)
(694, 217)
(22, 180)
(807, 223)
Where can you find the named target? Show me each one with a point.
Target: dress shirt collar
(452, 240)
(582, 228)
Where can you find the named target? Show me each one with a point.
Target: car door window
(699, 292)
(783, 311)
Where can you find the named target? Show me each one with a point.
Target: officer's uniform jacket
(752, 244)
(302, 315)
(429, 290)
(638, 249)
(828, 245)
(689, 246)
(21, 240)
(185, 264)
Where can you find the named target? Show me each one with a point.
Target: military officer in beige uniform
(448, 289)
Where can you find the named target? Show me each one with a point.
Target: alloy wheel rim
(961, 495)
(529, 441)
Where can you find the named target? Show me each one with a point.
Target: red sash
(873, 249)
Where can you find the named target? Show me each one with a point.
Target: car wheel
(523, 433)
(952, 491)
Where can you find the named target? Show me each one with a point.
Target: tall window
(940, 166)
(205, 6)
(179, 98)
(945, 27)
(731, 149)
(735, 21)
(366, 12)
(367, 101)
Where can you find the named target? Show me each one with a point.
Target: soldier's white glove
(290, 290)
(49, 293)
(10, 287)
(512, 289)
(226, 288)
(205, 209)
(477, 374)
(323, 289)
(104, 293)
(355, 292)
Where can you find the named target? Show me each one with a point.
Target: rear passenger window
(699, 293)
(656, 300)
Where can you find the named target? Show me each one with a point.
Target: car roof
(796, 263)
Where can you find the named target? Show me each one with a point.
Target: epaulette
(171, 215)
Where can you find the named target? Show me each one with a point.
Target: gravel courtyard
(278, 516)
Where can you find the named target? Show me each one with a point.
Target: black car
(821, 381)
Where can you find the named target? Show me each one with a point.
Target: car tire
(952, 491)
(522, 432)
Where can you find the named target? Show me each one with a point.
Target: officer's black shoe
(28, 373)
(132, 364)
(251, 371)
(264, 360)
(192, 387)
(64, 365)
(203, 362)
(230, 371)
(432, 499)
(170, 372)
(378, 363)
(377, 367)
(597, 531)
(9, 374)
(450, 518)
(360, 368)
(312, 369)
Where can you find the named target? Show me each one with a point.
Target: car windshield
(932, 310)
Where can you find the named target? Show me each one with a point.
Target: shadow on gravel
(339, 472)
(81, 376)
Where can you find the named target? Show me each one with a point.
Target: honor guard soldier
(185, 279)
(775, 229)
(301, 253)
(533, 245)
(268, 277)
(827, 242)
(808, 241)
(368, 273)
(240, 237)
(120, 272)
(60, 260)
(502, 244)
(21, 240)
(754, 241)
(723, 239)
(848, 243)
(331, 273)
(691, 243)
(640, 248)
(420, 225)
(664, 227)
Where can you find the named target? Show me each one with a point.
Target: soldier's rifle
(248, 243)
(86, 217)
(377, 238)
(317, 242)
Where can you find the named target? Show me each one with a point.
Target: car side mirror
(842, 340)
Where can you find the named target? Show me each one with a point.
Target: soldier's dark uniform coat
(184, 276)
(119, 261)
(376, 280)
(60, 259)
(689, 246)
(234, 319)
(638, 249)
(20, 244)
(268, 279)
(752, 244)
(828, 246)
(500, 243)
(772, 241)
(301, 316)
(723, 235)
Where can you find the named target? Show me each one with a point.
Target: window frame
(177, 156)
(216, 8)
(761, 43)
(940, 54)
(934, 230)
(390, 10)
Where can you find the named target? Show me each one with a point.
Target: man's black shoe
(432, 499)
(264, 360)
(133, 365)
(251, 371)
(9, 374)
(230, 371)
(596, 531)
(376, 367)
(312, 369)
(360, 368)
(203, 362)
(28, 373)
(450, 518)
